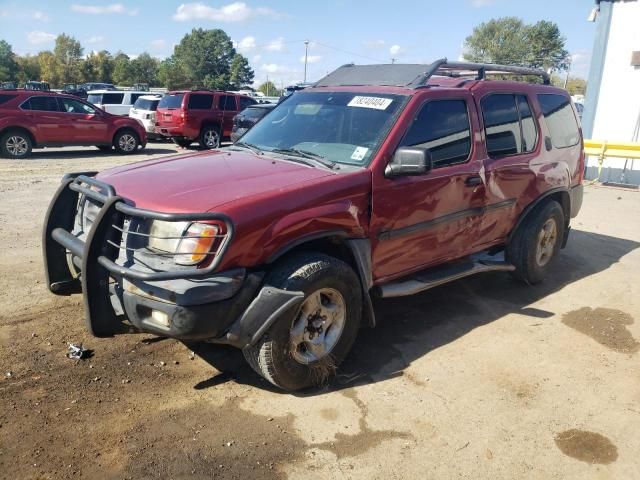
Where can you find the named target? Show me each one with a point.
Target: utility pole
(566, 79)
(306, 52)
(393, 60)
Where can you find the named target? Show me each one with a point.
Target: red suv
(205, 116)
(379, 181)
(31, 119)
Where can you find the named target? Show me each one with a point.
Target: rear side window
(227, 102)
(560, 119)
(245, 102)
(6, 98)
(200, 101)
(146, 104)
(443, 127)
(112, 98)
(135, 96)
(171, 101)
(509, 125)
(43, 104)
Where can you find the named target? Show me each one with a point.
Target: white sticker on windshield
(359, 153)
(377, 103)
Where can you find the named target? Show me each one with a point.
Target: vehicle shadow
(94, 153)
(408, 328)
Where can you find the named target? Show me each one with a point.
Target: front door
(423, 220)
(84, 121)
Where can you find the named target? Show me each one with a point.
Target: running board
(442, 274)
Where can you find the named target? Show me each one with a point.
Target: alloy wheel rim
(127, 142)
(318, 326)
(211, 138)
(17, 146)
(546, 242)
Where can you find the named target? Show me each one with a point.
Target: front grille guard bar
(110, 221)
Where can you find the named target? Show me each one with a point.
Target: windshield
(146, 104)
(343, 127)
(171, 101)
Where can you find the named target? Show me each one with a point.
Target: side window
(228, 102)
(560, 119)
(529, 131)
(502, 125)
(200, 101)
(70, 105)
(135, 96)
(6, 98)
(245, 102)
(112, 98)
(43, 104)
(443, 127)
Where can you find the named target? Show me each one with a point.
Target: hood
(205, 181)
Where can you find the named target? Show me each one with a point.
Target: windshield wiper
(254, 148)
(306, 154)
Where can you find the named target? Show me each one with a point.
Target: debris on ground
(78, 352)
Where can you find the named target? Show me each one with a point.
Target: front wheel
(126, 142)
(15, 145)
(537, 242)
(210, 137)
(306, 350)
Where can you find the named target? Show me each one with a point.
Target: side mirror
(409, 161)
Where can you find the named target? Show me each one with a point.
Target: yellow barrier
(603, 149)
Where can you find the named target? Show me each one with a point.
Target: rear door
(228, 104)
(85, 123)
(200, 110)
(50, 123)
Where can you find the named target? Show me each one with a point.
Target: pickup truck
(378, 181)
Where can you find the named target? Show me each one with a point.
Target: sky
(271, 33)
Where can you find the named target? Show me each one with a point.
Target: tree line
(202, 59)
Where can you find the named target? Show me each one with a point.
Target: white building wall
(618, 107)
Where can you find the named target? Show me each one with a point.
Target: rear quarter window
(200, 101)
(6, 98)
(560, 120)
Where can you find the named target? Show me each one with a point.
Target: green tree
(269, 89)
(8, 64)
(240, 73)
(98, 67)
(205, 57)
(509, 40)
(68, 58)
(122, 69)
(28, 68)
(49, 68)
(144, 69)
(172, 76)
(575, 85)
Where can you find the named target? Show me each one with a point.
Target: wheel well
(19, 129)
(560, 196)
(125, 129)
(209, 124)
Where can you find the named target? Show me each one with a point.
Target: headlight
(191, 242)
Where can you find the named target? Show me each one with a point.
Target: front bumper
(231, 307)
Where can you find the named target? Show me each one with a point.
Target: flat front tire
(305, 349)
(15, 145)
(537, 242)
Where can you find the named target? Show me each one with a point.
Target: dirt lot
(483, 378)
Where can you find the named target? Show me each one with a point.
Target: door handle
(473, 181)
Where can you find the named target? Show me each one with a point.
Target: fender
(537, 202)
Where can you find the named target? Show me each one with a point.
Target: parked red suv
(381, 180)
(205, 116)
(32, 119)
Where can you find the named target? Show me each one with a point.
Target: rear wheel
(537, 242)
(16, 144)
(210, 136)
(126, 142)
(184, 143)
(306, 350)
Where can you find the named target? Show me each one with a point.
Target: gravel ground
(481, 378)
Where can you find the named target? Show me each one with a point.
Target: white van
(117, 102)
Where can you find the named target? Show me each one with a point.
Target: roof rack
(416, 75)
